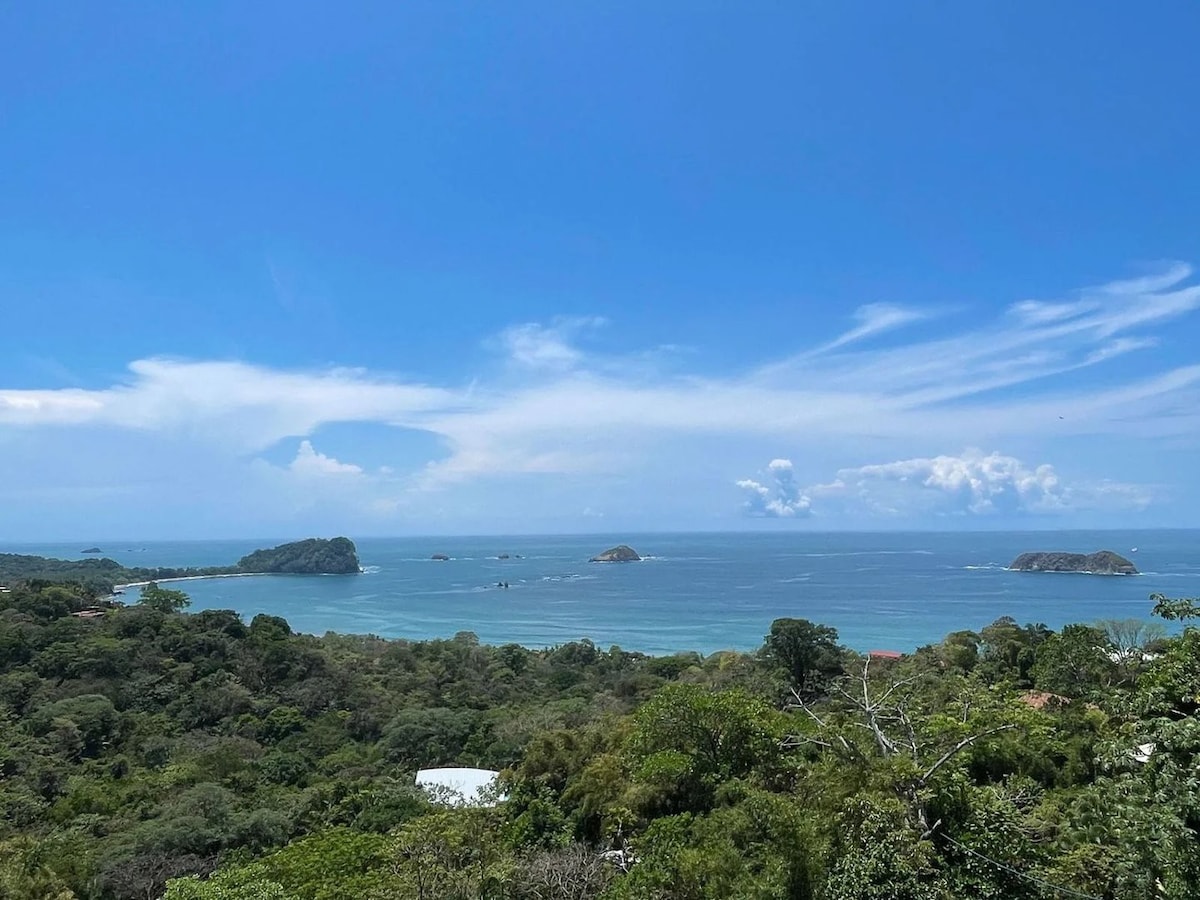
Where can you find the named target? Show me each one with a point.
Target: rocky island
(1105, 562)
(92, 550)
(620, 553)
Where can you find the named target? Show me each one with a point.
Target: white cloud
(249, 407)
(309, 464)
(1037, 312)
(322, 487)
(973, 483)
(537, 346)
(557, 409)
(783, 499)
(875, 318)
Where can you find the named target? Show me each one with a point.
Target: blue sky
(280, 269)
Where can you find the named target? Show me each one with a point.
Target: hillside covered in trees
(314, 556)
(148, 751)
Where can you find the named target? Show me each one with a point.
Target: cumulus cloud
(311, 464)
(781, 499)
(973, 483)
(321, 487)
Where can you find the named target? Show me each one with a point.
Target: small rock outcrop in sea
(620, 553)
(92, 550)
(502, 556)
(1103, 563)
(440, 557)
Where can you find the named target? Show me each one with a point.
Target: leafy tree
(1180, 609)
(163, 599)
(878, 856)
(25, 876)
(233, 885)
(452, 856)
(1074, 662)
(808, 653)
(687, 740)
(78, 725)
(338, 864)
(960, 650)
(910, 739)
(1007, 650)
(427, 737)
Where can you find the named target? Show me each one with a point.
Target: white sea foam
(869, 553)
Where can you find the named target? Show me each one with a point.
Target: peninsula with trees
(314, 556)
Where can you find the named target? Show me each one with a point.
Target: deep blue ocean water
(695, 591)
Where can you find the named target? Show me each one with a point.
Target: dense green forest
(148, 752)
(314, 556)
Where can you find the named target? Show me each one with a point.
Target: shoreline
(133, 584)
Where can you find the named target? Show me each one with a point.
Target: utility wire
(1047, 884)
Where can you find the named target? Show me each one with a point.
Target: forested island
(314, 556)
(149, 752)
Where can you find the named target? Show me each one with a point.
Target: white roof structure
(459, 786)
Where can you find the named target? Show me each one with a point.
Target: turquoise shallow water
(696, 591)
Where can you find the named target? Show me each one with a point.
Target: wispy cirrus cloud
(873, 319)
(556, 409)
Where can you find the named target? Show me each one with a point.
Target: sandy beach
(134, 584)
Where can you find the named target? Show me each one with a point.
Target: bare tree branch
(962, 745)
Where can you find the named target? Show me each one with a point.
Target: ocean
(705, 592)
